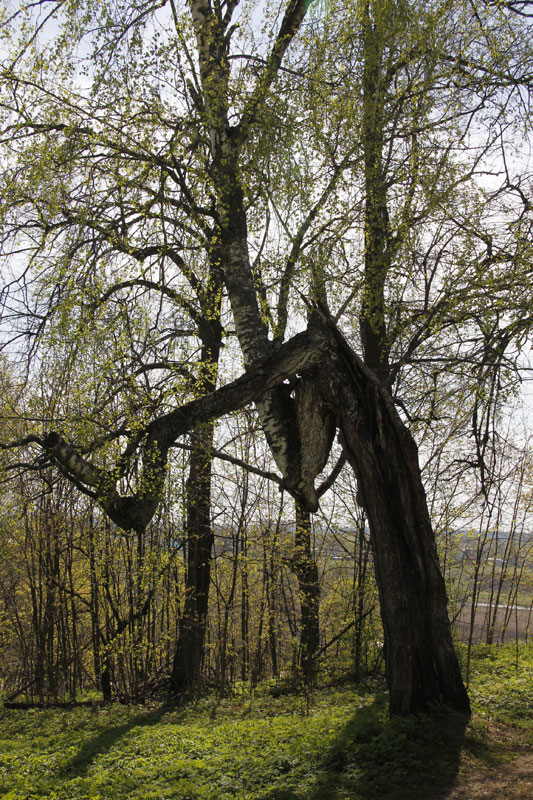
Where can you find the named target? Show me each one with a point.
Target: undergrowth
(336, 744)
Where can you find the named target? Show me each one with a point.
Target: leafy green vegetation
(336, 744)
(502, 682)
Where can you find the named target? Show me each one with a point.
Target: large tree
(326, 169)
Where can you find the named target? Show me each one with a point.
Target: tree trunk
(421, 665)
(105, 679)
(270, 574)
(304, 566)
(186, 670)
(245, 608)
(189, 655)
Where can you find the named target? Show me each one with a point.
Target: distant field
(520, 624)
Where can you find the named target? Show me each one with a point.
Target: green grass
(501, 682)
(261, 748)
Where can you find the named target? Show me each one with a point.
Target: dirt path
(509, 781)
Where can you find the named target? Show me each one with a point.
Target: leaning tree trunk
(421, 664)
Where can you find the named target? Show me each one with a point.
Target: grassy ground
(338, 746)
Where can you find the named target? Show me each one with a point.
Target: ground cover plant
(337, 743)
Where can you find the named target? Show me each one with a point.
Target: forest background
(184, 189)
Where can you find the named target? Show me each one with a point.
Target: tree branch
(271, 476)
(134, 512)
(293, 18)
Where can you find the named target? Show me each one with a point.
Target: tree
(155, 176)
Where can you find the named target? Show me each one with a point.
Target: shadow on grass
(406, 758)
(78, 765)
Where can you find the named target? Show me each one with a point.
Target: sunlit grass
(336, 744)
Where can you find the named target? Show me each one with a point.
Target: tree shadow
(90, 750)
(404, 758)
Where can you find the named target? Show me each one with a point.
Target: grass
(341, 746)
